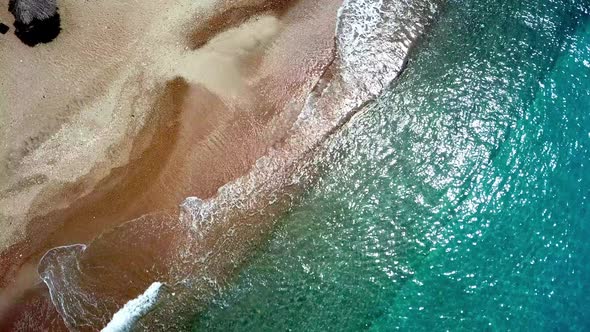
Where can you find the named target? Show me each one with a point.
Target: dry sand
(69, 108)
(137, 105)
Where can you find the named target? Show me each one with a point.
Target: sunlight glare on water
(458, 200)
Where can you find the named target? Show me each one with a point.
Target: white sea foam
(123, 319)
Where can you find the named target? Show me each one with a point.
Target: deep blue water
(459, 200)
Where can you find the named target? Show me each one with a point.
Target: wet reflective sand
(219, 110)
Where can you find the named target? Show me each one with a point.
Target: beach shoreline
(179, 149)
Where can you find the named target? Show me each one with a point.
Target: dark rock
(36, 21)
(4, 28)
(38, 31)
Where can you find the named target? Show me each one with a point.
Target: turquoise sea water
(459, 200)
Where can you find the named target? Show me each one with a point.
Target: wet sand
(196, 133)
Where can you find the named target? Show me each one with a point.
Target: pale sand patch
(219, 64)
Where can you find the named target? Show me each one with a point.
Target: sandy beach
(136, 107)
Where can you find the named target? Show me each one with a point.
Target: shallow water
(458, 200)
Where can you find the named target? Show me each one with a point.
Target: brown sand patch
(231, 13)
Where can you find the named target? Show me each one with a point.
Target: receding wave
(196, 253)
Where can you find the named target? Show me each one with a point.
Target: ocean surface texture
(458, 200)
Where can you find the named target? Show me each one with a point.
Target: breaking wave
(123, 319)
(196, 253)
